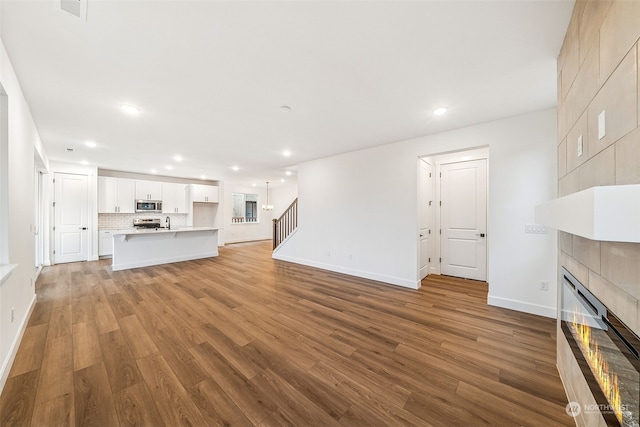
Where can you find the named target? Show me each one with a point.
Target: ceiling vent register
(75, 7)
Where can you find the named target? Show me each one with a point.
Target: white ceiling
(210, 76)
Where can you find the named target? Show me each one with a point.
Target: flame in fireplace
(608, 380)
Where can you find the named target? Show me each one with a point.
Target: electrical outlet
(580, 146)
(544, 285)
(602, 129)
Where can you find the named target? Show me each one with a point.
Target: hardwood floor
(245, 340)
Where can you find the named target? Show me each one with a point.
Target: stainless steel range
(146, 223)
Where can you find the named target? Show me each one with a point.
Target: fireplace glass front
(606, 351)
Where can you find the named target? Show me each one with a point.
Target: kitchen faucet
(167, 223)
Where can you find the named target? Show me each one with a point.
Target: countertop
(131, 231)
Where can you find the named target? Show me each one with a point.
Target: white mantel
(610, 213)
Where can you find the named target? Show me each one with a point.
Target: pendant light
(267, 207)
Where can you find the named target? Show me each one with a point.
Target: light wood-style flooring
(245, 340)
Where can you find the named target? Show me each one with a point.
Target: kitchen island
(144, 247)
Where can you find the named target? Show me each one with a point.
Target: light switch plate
(601, 125)
(580, 146)
(535, 229)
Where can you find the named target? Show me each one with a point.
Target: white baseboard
(525, 307)
(351, 272)
(13, 350)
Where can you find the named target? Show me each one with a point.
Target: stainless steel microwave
(148, 206)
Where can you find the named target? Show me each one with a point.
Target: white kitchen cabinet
(105, 242)
(116, 195)
(205, 193)
(148, 190)
(174, 198)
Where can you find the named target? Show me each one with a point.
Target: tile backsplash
(123, 221)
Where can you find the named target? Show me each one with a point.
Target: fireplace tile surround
(598, 69)
(606, 351)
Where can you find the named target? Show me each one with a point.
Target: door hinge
(54, 252)
(54, 228)
(54, 204)
(430, 201)
(429, 174)
(440, 259)
(440, 202)
(441, 231)
(429, 260)
(440, 174)
(429, 231)
(54, 180)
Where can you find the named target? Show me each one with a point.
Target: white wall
(17, 291)
(260, 230)
(358, 211)
(282, 196)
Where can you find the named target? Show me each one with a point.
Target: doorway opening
(453, 214)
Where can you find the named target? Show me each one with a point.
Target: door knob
(83, 228)
(480, 235)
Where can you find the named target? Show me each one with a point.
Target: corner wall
(358, 211)
(17, 292)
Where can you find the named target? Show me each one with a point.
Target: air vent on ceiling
(75, 7)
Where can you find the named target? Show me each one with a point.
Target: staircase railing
(286, 224)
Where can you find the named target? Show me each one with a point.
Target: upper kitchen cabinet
(148, 190)
(116, 195)
(174, 198)
(205, 193)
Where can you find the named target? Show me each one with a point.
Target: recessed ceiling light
(439, 111)
(130, 109)
(203, 177)
(91, 144)
(168, 167)
(177, 158)
(288, 173)
(253, 185)
(281, 179)
(153, 171)
(286, 153)
(84, 162)
(285, 108)
(235, 168)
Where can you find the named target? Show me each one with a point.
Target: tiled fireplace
(599, 157)
(607, 354)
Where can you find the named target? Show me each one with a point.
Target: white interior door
(463, 216)
(71, 218)
(425, 201)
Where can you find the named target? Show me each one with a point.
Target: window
(244, 208)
